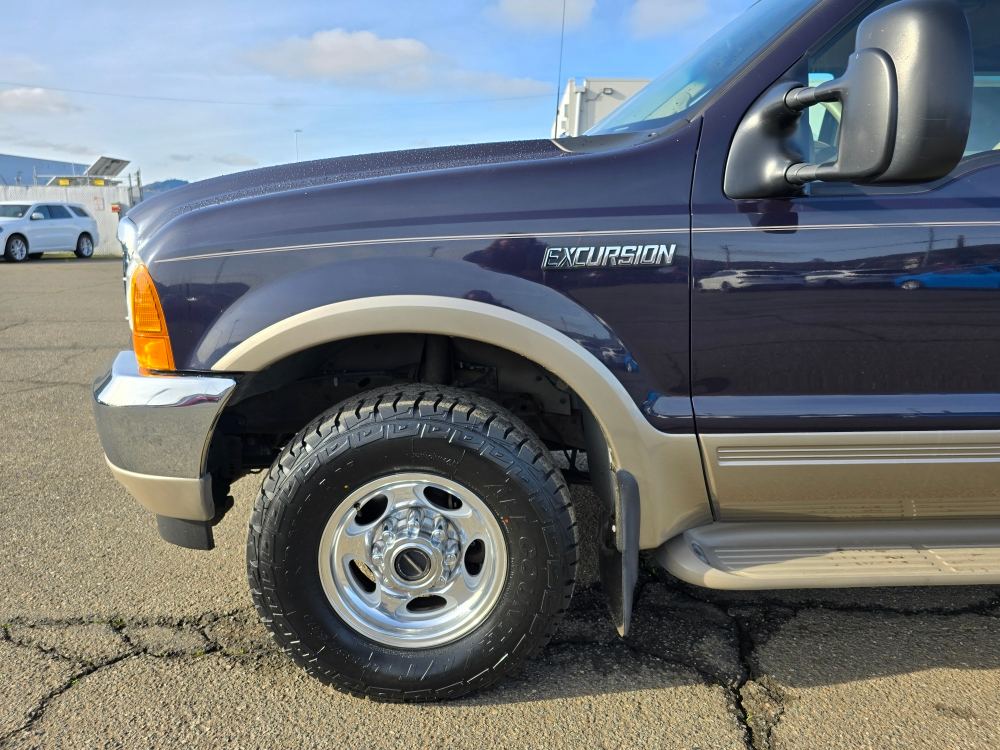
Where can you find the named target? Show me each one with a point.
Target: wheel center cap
(412, 564)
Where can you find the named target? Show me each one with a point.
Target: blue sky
(231, 81)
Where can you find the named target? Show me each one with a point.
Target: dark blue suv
(726, 308)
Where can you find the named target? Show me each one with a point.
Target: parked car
(27, 230)
(975, 277)
(340, 326)
(729, 281)
(851, 277)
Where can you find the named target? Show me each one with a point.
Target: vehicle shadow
(68, 256)
(684, 635)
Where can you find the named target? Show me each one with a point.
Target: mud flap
(619, 549)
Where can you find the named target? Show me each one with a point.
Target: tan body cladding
(877, 475)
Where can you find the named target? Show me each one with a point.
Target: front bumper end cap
(155, 431)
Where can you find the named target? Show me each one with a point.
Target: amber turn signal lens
(149, 329)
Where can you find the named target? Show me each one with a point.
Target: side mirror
(906, 100)
(37, 215)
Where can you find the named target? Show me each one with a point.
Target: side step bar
(827, 554)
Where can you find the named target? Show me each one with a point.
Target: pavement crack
(35, 385)
(12, 325)
(745, 647)
(35, 714)
(758, 705)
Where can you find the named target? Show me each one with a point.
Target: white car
(29, 229)
(727, 281)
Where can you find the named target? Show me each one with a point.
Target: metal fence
(97, 200)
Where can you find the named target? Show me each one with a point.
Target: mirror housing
(906, 100)
(36, 216)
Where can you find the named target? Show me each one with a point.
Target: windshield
(711, 65)
(13, 212)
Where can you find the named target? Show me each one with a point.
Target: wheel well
(272, 405)
(18, 234)
(85, 234)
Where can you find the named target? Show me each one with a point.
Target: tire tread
(426, 402)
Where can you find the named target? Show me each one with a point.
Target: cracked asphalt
(111, 638)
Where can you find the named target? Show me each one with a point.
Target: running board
(834, 554)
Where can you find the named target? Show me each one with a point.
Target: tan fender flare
(667, 467)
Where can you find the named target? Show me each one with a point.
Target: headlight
(128, 235)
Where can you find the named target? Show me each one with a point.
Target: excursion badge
(645, 256)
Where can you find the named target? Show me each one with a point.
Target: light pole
(297, 131)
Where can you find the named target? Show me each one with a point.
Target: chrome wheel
(17, 249)
(413, 560)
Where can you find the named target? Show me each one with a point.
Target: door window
(830, 61)
(58, 212)
(43, 210)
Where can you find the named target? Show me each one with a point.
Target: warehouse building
(30, 170)
(585, 104)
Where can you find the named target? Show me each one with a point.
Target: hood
(157, 211)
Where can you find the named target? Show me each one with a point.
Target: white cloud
(235, 160)
(361, 58)
(494, 84)
(655, 17)
(343, 56)
(17, 67)
(45, 145)
(226, 159)
(543, 14)
(34, 101)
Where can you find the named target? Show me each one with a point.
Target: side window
(58, 212)
(830, 61)
(43, 210)
(79, 212)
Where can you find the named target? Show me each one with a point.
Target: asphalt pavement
(111, 638)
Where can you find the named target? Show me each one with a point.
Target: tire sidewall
(8, 252)
(80, 251)
(308, 496)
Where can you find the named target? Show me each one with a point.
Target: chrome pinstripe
(413, 240)
(571, 233)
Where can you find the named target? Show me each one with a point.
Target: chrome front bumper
(155, 430)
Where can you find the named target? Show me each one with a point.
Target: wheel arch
(22, 235)
(667, 467)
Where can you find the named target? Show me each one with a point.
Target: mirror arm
(799, 100)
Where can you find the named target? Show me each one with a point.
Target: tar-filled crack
(757, 731)
(36, 713)
(751, 624)
(85, 667)
(740, 633)
(746, 623)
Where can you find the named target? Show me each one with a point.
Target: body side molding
(667, 467)
(919, 474)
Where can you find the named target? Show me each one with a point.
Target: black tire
(16, 249)
(456, 435)
(84, 246)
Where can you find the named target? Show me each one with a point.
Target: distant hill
(155, 188)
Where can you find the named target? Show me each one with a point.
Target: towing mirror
(906, 103)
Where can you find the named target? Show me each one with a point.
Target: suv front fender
(667, 467)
